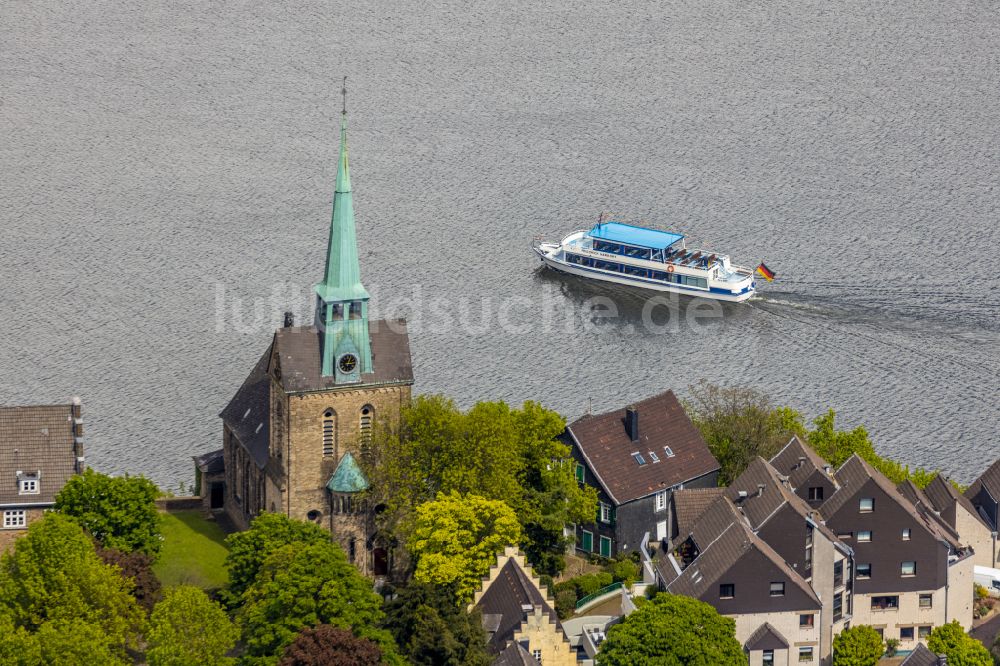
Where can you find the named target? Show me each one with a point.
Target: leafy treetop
(858, 646)
(119, 512)
(962, 650)
(187, 627)
(672, 630)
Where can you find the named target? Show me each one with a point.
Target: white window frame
(28, 486)
(913, 569)
(669, 451)
(652, 456)
(605, 512)
(660, 501)
(864, 536)
(14, 519)
(906, 534)
(871, 504)
(806, 650)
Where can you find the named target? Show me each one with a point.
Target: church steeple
(342, 301)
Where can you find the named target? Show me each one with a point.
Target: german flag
(765, 272)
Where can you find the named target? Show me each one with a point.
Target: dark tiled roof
(916, 496)
(211, 462)
(36, 439)
(248, 413)
(921, 656)
(942, 495)
(515, 655)
(299, 357)
(856, 472)
(766, 638)
(505, 597)
(605, 444)
(690, 503)
(798, 462)
(723, 537)
(990, 480)
(759, 508)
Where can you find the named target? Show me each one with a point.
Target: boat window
(658, 275)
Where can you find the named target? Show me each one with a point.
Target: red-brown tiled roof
(607, 447)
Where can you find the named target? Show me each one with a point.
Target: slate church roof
(604, 442)
(248, 413)
(36, 440)
(298, 355)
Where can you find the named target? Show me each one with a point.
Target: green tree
(962, 650)
(55, 578)
(491, 451)
(188, 629)
(68, 641)
(455, 540)
(268, 532)
(739, 424)
(119, 512)
(432, 629)
(303, 585)
(858, 646)
(326, 645)
(672, 630)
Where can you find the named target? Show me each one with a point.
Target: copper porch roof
(607, 448)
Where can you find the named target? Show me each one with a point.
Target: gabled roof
(607, 448)
(211, 462)
(942, 495)
(921, 656)
(298, 351)
(766, 638)
(515, 655)
(348, 477)
(910, 491)
(798, 462)
(760, 505)
(723, 538)
(248, 413)
(990, 480)
(504, 596)
(691, 503)
(856, 472)
(36, 439)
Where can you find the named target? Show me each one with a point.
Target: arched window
(367, 416)
(329, 432)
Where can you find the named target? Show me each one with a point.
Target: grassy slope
(193, 551)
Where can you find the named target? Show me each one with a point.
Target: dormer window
(639, 459)
(27, 485)
(669, 451)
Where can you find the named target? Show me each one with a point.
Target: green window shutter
(605, 547)
(587, 541)
(580, 473)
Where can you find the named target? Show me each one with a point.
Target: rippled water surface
(167, 172)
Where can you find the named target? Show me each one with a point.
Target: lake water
(168, 167)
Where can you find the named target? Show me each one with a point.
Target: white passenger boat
(647, 258)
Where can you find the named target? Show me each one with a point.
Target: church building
(294, 431)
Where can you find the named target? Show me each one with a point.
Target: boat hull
(634, 281)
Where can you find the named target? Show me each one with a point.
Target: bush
(624, 570)
(980, 591)
(565, 602)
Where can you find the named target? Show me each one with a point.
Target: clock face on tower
(347, 363)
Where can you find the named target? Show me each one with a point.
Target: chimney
(802, 462)
(741, 495)
(760, 489)
(632, 422)
(942, 660)
(289, 320)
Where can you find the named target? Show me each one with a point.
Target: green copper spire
(342, 303)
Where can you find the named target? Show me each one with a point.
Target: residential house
(959, 514)
(912, 573)
(41, 447)
(809, 475)
(721, 561)
(636, 458)
(516, 609)
(984, 495)
(797, 533)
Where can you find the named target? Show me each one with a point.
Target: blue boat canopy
(616, 232)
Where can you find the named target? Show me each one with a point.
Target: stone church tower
(294, 429)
